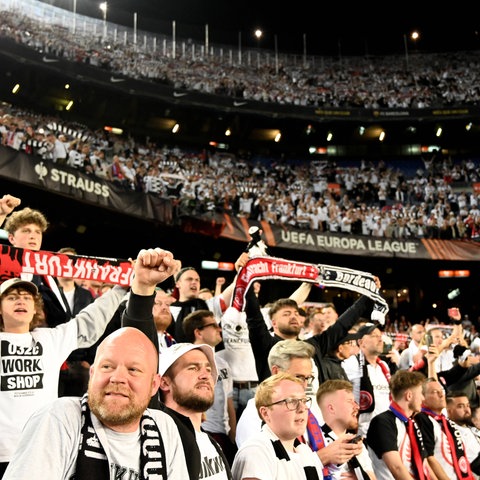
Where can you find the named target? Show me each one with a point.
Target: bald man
(112, 424)
(112, 419)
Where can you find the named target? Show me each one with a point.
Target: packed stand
(437, 80)
(429, 196)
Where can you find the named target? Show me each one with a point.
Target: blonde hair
(265, 391)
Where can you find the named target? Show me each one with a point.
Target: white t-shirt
(337, 470)
(56, 429)
(470, 442)
(256, 458)
(238, 351)
(217, 415)
(443, 451)
(212, 465)
(30, 364)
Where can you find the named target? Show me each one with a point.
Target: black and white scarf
(311, 472)
(92, 462)
(266, 268)
(367, 397)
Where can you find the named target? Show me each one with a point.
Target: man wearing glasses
(275, 452)
(294, 357)
(289, 356)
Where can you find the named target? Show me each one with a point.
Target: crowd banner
(268, 268)
(347, 244)
(15, 261)
(66, 181)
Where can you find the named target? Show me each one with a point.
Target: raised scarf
(280, 452)
(15, 261)
(459, 459)
(416, 442)
(367, 397)
(92, 462)
(272, 268)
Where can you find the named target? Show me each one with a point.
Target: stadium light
(103, 8)
(74, 16)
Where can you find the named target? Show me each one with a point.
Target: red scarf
(383, 365)
(415, 437)
(459, 459)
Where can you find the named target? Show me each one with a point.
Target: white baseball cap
(18, 283)
(170, 355)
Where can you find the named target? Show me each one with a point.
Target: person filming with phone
(444, 339)
(461, 376)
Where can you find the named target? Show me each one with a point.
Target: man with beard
(220, 420)
(110, 432)
(370, 375)
(460, 413)
(441, 437)
(111, 424)
(286, 323)
(188, 376)
(163, 317)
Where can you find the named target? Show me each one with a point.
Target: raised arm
(152, 266)
(7, 204)
(227, 294)
(302, 292)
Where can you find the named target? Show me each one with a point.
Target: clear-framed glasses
(308, 379)
(293, 403)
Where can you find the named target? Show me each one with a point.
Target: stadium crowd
(427, 197)
(273, 391)
(179, 375)
(434, 80)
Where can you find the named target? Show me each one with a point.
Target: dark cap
(182, 271)
(18, 283)
(367, 329)
(351, 336)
